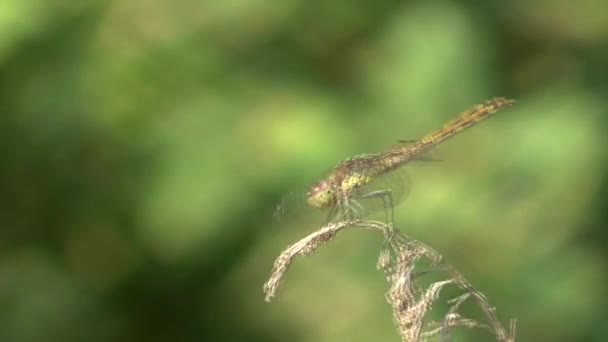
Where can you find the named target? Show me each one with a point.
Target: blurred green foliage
(145, 144)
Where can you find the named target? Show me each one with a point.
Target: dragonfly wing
(396, 184)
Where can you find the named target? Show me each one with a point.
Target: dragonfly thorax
(322, 195)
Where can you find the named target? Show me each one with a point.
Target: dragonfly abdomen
(467, 119)
(399, 156)
(415, 150)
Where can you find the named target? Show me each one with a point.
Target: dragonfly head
(321, 195)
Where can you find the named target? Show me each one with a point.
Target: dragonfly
(348, 184)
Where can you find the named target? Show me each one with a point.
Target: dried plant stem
(410, 300)
(305, 246)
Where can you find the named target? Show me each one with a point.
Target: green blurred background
(145, 144)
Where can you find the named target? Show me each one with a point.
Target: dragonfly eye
(320, 195)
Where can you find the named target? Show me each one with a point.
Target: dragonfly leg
(343, 210)
(385, 196)
(339, 212)
(387, 202)
(333, 212)
(359, 210)
(347, 209)
(353, 209)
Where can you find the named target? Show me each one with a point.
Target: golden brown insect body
(353, 173)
